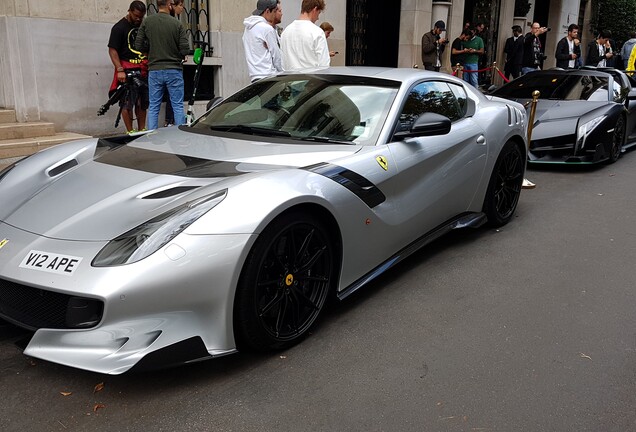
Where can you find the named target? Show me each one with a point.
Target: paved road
(526, 328)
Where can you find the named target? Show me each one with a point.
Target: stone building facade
(54, 63)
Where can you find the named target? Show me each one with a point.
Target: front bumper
(561, 150)
(148, 306)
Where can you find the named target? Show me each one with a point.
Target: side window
(430, 96)
(462, 99)
(617, 92)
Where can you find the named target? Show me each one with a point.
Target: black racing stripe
(168, 163)
(361, 186)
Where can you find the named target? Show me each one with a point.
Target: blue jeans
(171, 79)
(525, 70)
(471, 77)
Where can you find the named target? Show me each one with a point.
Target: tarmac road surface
(531, 327)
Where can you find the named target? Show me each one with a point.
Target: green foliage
(522, 7)
(617, 16)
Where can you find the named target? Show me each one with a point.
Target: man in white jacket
(303, 43)
(260, 40)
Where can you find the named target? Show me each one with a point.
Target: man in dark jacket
(568, 49)
(168, 44)
(433, 46)
(598, 50)
(514, 53)
(532, 55)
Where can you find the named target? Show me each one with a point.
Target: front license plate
(51, 262)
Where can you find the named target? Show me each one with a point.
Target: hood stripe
(156, 162)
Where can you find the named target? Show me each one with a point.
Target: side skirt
(466, 220)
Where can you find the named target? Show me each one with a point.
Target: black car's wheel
(504, 187)
(284, 283)
(618, 139)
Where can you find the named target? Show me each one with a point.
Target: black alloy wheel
(504, 187)
(284, 284)
(618, 139)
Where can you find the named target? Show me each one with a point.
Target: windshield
(310, 108)
(557, 86)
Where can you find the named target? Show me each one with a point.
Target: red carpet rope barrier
(458, 68)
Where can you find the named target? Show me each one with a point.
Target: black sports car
(583, 115)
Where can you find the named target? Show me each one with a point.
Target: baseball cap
(440, 25)
(263, 5)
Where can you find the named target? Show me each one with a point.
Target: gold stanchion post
(527, 184)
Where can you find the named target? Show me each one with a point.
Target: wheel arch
(519, 142)
(511, 181)
(319, 214)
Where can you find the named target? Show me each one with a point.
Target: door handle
(481, 140)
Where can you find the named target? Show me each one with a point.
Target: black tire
(284, 283)
(504, 187)
(618, 139)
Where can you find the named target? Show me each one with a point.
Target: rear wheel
(284, 283)
(618, 139)
(504, 187)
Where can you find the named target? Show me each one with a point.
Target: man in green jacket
(164, 38)
(474, 48)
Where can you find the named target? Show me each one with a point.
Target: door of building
(373, 33)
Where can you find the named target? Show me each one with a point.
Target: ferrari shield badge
(3, 242)
(383, 162)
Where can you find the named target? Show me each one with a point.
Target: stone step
(25, 130)
(17, 148)
(7, 115)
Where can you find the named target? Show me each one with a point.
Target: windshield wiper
(324, 139)
(250, 130)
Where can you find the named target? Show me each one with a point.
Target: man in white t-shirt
(303, 43)
(260, 40)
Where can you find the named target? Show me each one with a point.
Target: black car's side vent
(169, 192)
(359, 185)
(63, 167)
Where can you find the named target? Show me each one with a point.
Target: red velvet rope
(502, 76)
(456, 71)
(475, 71)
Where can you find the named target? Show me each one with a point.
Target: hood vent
(167, 193)
(55, 171)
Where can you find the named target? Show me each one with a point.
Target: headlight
(149, 237)
(585, 129)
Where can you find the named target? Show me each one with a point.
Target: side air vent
(515, 116)
(62, 167)
(167, 193)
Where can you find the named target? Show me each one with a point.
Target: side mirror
(428, 124)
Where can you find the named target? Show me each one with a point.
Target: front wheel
(504, 187)
(284, 283)
(618, 139)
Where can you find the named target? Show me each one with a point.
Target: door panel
(438, 176)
